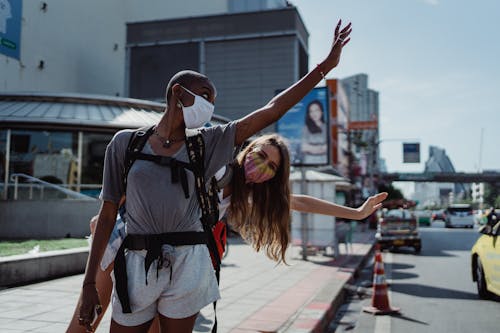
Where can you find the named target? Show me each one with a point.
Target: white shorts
(192, 287)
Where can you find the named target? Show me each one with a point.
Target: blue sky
(435, 65)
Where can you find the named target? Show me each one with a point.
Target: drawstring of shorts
(165, 257)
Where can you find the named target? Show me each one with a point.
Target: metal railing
(33, 182)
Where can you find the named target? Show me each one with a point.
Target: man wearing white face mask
(197, 114)
(156, 204)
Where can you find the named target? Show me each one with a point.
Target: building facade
(239, 52)
(363, 129)
(80, 47)
(124, 48)
(52, 150)
(61, 138)
(439, 194)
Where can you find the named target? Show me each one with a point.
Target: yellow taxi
(485, 257)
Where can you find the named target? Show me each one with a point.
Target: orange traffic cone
(380, 300)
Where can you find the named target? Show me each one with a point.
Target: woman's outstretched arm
(89, 296)
(280, 104)
(308, 204)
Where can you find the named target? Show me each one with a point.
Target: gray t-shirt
(154, 204)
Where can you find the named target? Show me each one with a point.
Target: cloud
(432, 2)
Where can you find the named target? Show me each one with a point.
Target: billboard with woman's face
(305, 127)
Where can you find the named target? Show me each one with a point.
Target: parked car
(396, 228)
(438, 215)
(459, 215)
(485, 257)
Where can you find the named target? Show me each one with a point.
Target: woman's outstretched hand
(340, 39)
(372, 204)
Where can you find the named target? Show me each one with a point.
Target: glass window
(3, 151)
(47, 155)
(94, 148)
(460, 209)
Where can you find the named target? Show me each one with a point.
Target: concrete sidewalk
(257, 294)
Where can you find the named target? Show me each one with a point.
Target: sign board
(305, 127)
(10, 27)
(411, 152)
(363, 125)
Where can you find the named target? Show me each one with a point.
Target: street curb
(319, 311)
(25, 269)
(339, 299)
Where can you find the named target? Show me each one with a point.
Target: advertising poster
(305, 127)
(10, 28)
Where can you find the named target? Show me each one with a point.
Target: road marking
(383, 322)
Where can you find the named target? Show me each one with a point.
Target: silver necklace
(166, 143)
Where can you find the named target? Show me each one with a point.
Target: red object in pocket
(220, 235)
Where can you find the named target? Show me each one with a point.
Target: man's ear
(175, 95)
(177, 91)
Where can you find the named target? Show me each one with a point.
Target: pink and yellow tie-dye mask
(256, 168)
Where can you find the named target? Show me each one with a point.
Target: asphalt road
(434, 290)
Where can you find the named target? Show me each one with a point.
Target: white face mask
(197, 114)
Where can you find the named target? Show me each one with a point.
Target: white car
(459, 215)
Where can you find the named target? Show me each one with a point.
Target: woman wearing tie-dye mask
(259, 199)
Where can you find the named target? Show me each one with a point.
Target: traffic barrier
(380, 300)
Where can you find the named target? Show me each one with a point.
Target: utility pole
(481, 186)
(480, 150)
(371, 163)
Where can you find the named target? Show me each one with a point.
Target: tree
(394, 193)
(497, 202)
(491, 195)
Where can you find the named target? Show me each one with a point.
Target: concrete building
(362, 100)
(363, 125)
(51, 158)
(429, 194)
(239, 52)
(80, 47)
(70, 51)
(128, 48)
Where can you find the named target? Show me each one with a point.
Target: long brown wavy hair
(261, 212)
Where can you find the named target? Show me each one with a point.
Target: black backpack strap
(136, 142)
(196, 153)
(177, 168)
(134, 152)
(207, 198)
